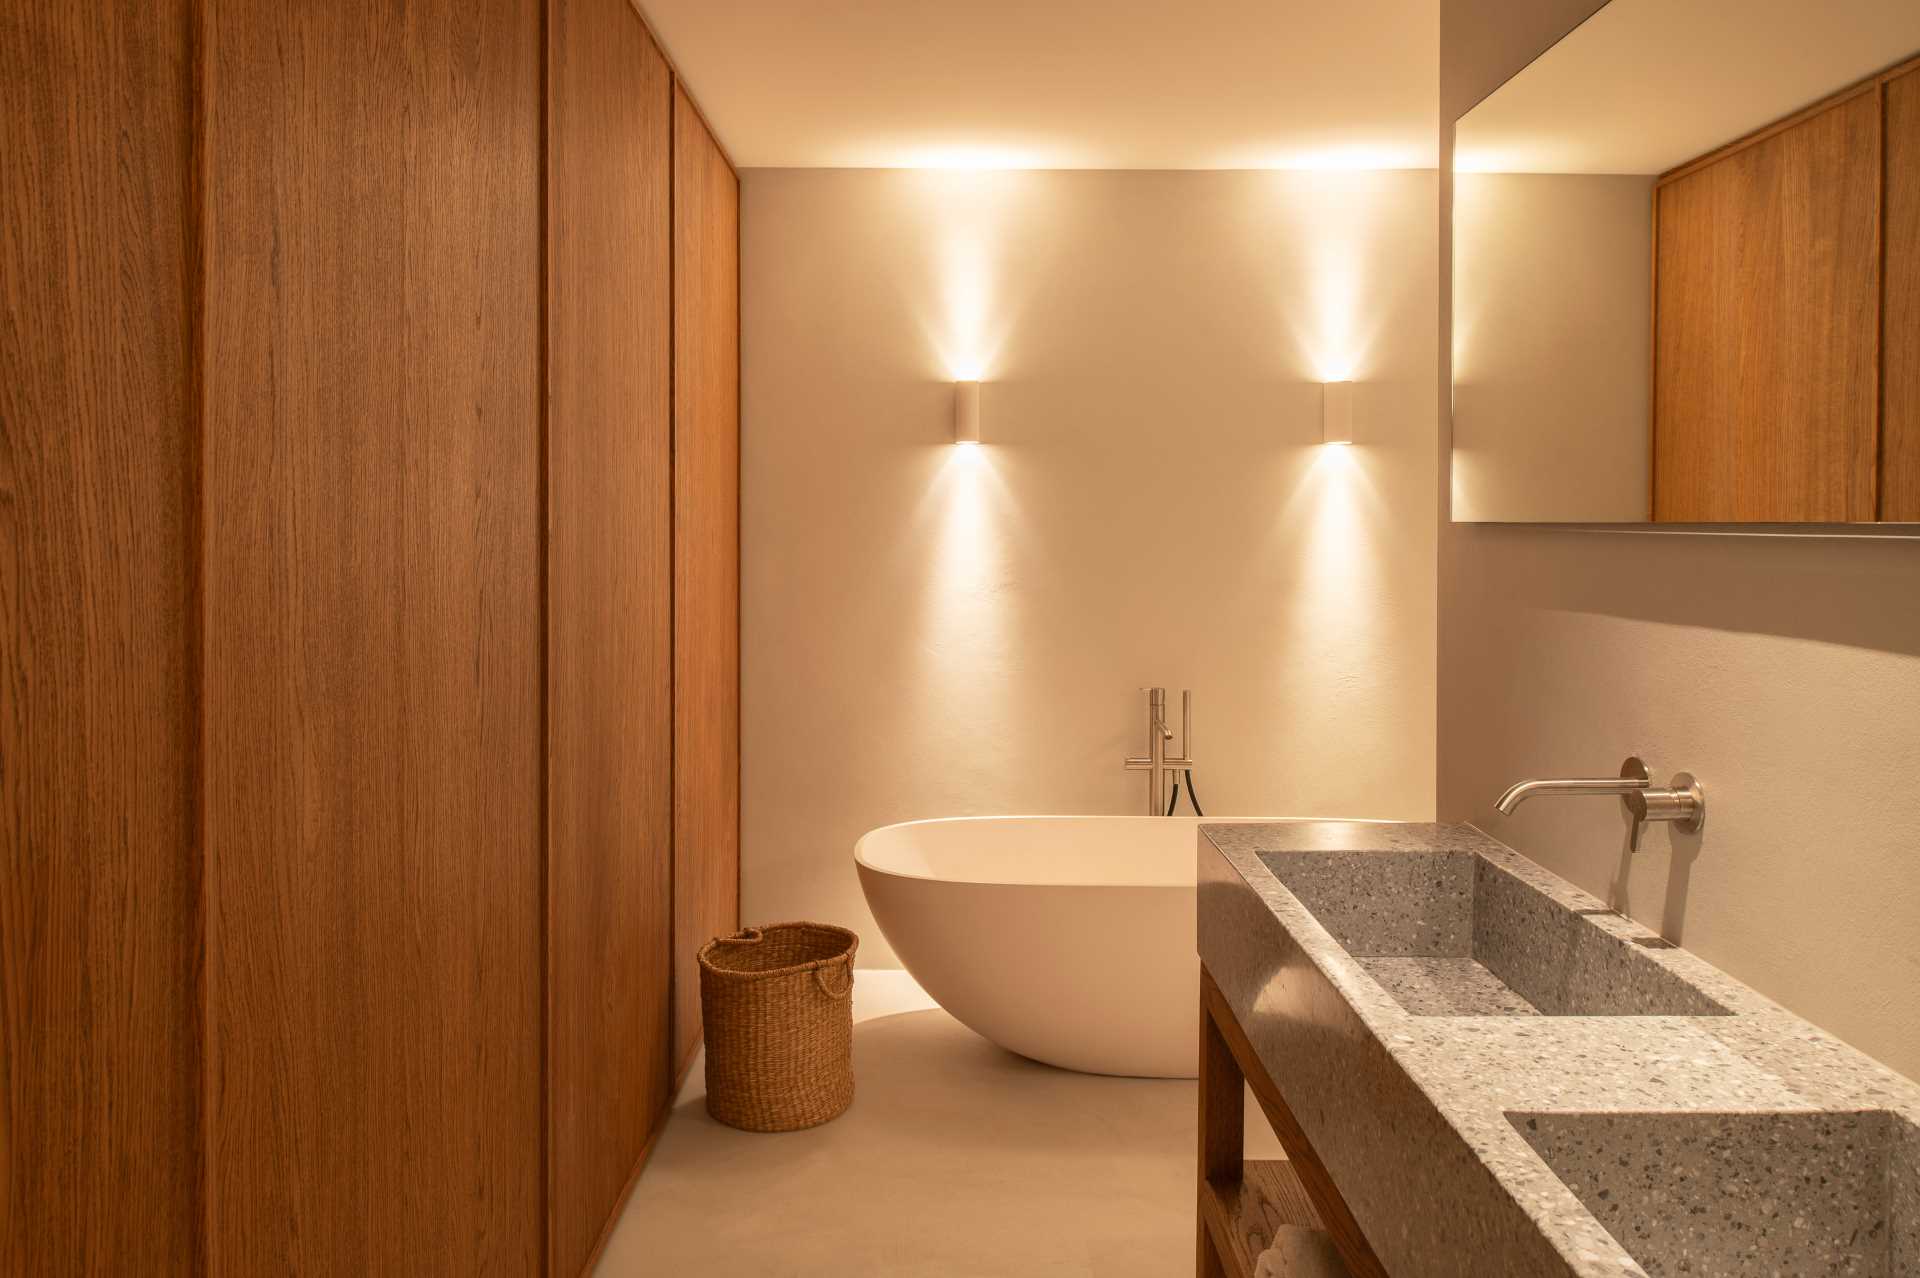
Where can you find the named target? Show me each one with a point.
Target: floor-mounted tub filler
(1066, 939)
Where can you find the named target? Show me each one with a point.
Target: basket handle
(820, 979)
(746, 936)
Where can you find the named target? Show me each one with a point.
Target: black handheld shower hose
(1193, 796)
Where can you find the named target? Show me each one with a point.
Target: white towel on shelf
(1300, 1252)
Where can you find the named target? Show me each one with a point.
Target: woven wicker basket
(776, 1003)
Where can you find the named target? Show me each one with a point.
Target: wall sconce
(1336, 413)
(966, 412)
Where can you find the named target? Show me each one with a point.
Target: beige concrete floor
(957, 1158)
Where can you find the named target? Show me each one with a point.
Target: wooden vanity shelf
(1240, 1217)
(1242, 1203)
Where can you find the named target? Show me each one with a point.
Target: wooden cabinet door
(1900, 429)
(101, 1157)
(1766, 314)
(706, 552)
(373, 656)
(609, 611)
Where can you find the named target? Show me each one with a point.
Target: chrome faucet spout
(1522, 791)
(1683, 802)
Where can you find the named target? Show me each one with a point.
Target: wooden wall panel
(1900, 438)
(1766, 326)
(609, 610)
(706, 556)
(373, 691)
(100, 1029)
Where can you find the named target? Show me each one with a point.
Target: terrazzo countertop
(1732, 1138)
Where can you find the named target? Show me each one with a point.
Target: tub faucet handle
(1155, 762)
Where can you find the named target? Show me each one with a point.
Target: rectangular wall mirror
(1686, 255)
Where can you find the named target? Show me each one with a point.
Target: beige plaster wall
(935, 631)
(1552, 322)
(1785, 672)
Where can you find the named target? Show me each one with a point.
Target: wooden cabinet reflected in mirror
(1900, 312)
(1768, 294)
(1687, 271)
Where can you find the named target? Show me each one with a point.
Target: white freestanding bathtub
(1066, 939)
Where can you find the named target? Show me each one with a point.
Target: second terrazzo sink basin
(1451, 934)
(1744, 1193)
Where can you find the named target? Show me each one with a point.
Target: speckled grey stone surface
(1903, 1200)
(1397, 903)
(1446, 987)
(1411, 1112)
(1556, 959)
(1734, 1194)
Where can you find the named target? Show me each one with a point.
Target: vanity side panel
(1418, 1191)
(1903, 1199)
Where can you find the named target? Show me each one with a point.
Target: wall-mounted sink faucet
(1683, 802)
(1157, 763)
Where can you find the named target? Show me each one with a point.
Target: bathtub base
(1099, 977)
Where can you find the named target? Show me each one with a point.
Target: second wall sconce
(966, 412)
(1336, 413)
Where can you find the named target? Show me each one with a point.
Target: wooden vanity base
(1242, 1203)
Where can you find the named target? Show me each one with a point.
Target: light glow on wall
(970, 218)
(1346, 311)
(1334, 526)
(964, 268)
(1335, 273)
(1333, 220)
(963, 630)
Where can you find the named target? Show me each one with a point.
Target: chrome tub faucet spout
(1157, 763)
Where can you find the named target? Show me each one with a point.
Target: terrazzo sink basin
(1744, 1194)
(1452, 934)
(1473, 1131)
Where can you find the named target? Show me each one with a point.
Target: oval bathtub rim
(863, 862)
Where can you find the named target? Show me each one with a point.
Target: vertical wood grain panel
(100, 1027)
(609, 614)
(373, 650)
(706, 556)
(1900, 439)
(1766, 327)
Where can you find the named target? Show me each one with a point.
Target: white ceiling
(1645, 85)
(1132, 84)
